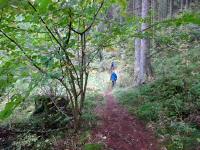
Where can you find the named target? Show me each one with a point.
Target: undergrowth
(27, 136)
(170, 103)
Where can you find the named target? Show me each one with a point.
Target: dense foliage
(170, 104)
(54, 62)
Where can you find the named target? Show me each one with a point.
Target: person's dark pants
(113, 83)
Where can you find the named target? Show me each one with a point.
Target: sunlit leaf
(10, 106)
(43, 5)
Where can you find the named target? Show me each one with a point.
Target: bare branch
(17, 29)
(58, 34)
(57, 107)
(89, 27)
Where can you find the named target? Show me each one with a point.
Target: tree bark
(137, 43)
(130, 8)
(171, 5)
(155, 10)
(182, 4)
(145, 63)
(186, 4)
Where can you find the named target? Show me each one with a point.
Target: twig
(89, 27)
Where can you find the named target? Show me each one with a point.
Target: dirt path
(120, 131)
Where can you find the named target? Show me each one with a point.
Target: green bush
(92, 100)
(93, 147)
(149, 111)
(170, 99)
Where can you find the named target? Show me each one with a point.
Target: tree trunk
(182, 4)
(137, 68)
(133, 7)
(137, 43)
(155, 10)
(145, 64)
(186, 4)
(130, 8)
(154, 5)
(171, 5)
(100, 28)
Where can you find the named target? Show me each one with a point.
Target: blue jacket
(113, 77)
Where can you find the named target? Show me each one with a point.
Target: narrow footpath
(118, 130)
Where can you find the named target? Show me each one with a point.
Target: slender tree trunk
(154, 5)
(100, 28)
(137, 68)
(137, 43)
(182, 4)
(186, 4)
(155, 10)
(145, 64)
(83, 47)
(163, 9)
(134, 7)
(171, 5)
(130, 8)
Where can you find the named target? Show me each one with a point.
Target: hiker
(112, 67)
(113, 78)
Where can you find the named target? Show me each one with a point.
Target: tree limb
(89, 27)
(94, 18)
(61, 46)
(23, 51)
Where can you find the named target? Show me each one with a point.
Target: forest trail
(119, 130)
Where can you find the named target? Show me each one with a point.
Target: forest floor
(6, 138)
(118, 130)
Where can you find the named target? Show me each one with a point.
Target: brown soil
(118, 130)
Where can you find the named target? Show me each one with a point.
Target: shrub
(149, 111)
(93, 147)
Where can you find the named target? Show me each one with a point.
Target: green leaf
(122, 3)
(3, 3)
(43, 5)
(10, 106)
(15, 101)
